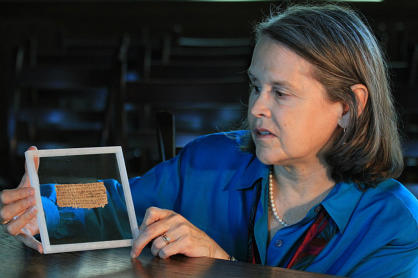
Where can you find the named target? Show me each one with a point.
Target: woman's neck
(301, 184)
(296, 190)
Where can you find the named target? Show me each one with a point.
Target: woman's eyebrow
(279, 83)
(284, 84)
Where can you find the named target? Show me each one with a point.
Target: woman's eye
(254, 88)
(278, 93)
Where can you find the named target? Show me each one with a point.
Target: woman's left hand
(173, 234)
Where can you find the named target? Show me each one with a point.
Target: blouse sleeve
(159, 187)
(390, 261)
(399, 257)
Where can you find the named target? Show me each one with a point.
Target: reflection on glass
(83, 198)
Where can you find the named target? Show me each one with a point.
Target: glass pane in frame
(83, 198)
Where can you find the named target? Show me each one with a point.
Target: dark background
(78, 168)
(394, 21)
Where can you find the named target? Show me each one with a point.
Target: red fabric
(311, 244)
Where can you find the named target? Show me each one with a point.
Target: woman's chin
(267, 158)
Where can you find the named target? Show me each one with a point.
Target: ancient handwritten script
(82, 195)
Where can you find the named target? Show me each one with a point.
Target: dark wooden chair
(216, 48)
(198, 107)
(196, 85)
(166, 134)
(200, 58)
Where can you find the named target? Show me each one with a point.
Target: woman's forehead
(272, 61)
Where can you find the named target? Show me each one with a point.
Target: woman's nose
(260, 105)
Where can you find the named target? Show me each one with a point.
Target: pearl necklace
(272, 205)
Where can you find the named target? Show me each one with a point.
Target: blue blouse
(213, 184)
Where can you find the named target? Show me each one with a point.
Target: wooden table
(16, 260)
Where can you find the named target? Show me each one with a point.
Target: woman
(308, 186)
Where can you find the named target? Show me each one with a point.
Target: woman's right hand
(18, 211)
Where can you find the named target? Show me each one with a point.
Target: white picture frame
(34, 180)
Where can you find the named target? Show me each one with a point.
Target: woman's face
(289, 114)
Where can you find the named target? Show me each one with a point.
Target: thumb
(25, 182)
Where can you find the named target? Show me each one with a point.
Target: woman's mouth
(263, 133)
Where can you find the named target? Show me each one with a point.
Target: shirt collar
(247, 176)
(341, 202)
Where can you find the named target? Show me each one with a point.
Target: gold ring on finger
(166, 239)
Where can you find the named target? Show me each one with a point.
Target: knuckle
(177, 218)
(150, 211)
(183, 227)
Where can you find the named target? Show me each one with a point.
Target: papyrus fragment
(81, 195)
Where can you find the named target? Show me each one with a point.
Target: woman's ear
(362, 94)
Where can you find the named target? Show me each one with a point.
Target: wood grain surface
(17, 260)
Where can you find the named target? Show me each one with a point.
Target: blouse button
(279, 243)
